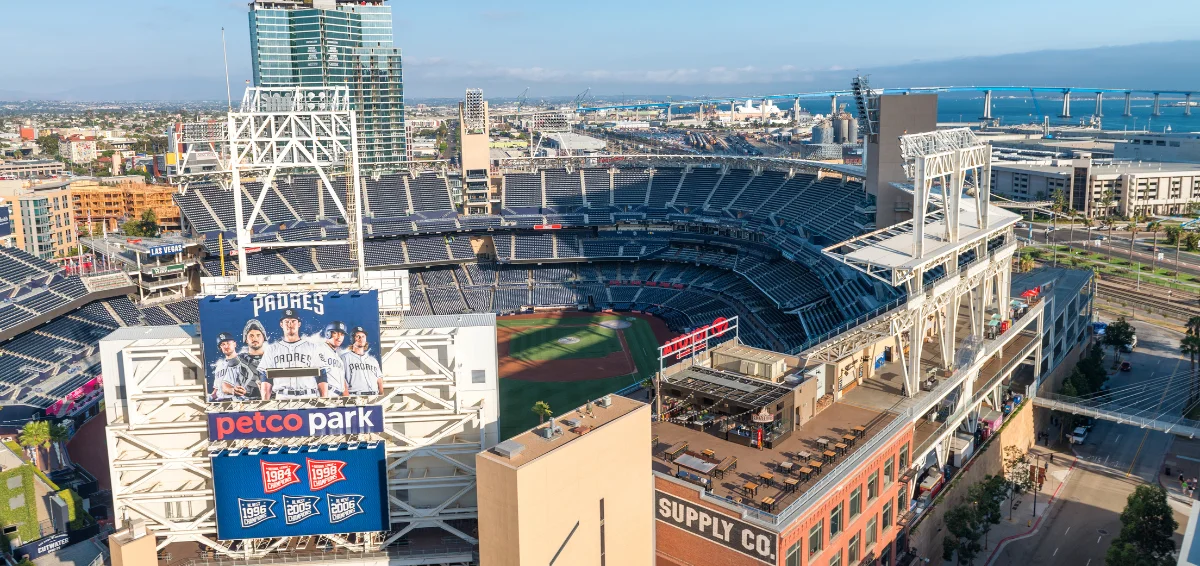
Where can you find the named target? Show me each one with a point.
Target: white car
(1079, 435)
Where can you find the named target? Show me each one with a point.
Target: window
(853, 553)
(815, 535)
(835, 521)
(870, 531)
(856, 502)
(887, 515)
(873, 486)
(478, 376)
(793, 555)
(904, 456)
(889, 472)
(836, 560)
(901, 506)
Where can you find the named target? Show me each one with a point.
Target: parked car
(1125, 366)
(1079, 435)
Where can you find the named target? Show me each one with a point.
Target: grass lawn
(517, 397)
(542, 344)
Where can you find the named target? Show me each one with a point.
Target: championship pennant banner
(311, 492)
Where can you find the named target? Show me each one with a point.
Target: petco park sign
(697, 340)
(294, 423)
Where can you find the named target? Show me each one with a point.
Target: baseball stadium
(761, 306)
(670, 243)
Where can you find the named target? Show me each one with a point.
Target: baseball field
(569, 358)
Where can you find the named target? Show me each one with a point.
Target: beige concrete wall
(926, 536)
(551, 506)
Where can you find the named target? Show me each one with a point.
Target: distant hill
(1169, 66)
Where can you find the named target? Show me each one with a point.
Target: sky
(131, 49)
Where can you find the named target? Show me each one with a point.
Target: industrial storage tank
(841, 129)
(822, 133)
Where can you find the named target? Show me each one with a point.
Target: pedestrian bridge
(1123, 414)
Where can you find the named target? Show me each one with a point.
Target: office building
(337, 43)
(30, 168)
(576, 490)
(1176, 148)
(1143, 188)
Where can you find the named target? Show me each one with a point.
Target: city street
(1114, 460)
(1116, 246)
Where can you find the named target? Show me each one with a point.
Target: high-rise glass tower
(337, 43)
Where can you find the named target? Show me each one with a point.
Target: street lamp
(1039, 477)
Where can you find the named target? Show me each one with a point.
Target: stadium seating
(697, 186)
(430, 192)
(522, 190)
(696, 271)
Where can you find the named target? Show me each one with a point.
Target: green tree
(36, 435)
(1017, 477)
(1172, 233)
(1147, 525)
(1190, 347)
(59, 435)
(1190, 241)
(1118, 334)
(48, 144)
(146, 226)
(972, 520)
(542, 410)
(1154, 228)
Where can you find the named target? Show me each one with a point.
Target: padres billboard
(311, 492)
(265, 346)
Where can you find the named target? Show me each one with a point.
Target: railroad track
(1149, 299)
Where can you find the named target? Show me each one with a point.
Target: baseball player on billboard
(362, 368)
(254, 336)
(291, 352)
(331, 361)
(225, 367)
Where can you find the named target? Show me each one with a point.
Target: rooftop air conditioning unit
(605, 401)
(509, 448)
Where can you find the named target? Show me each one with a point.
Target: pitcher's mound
(567, 340)
(615, 324)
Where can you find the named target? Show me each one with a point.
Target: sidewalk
(1183, 456)
(1025, 518)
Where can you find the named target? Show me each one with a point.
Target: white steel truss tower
(276, 132)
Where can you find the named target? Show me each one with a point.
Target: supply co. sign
(730, 532)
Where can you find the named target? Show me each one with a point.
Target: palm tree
(1133, 231)
(1087, 222)
(1153, 228)
(35, 435)
(59, 435)
(1193, 326)
(1190, 347)
(542, 410)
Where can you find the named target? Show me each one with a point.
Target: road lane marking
(1118, 438)
(1055, 551)
(1146, 434)
(1098, 539)
(1066, 531)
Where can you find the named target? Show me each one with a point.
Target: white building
(1179, 148)
(439, 409)
(78, 149)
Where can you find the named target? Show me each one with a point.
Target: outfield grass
(542, 344)
(517, 397)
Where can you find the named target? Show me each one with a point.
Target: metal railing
(1093, 408)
